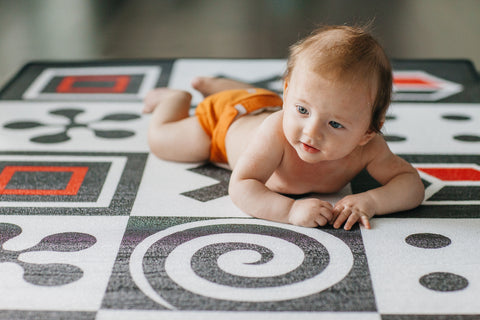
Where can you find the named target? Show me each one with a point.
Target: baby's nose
(312, 130)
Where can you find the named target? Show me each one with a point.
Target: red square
(76, 180)
(119, 84)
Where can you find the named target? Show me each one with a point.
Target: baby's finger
(328, 205)
(336, 212)
(327, 213)
(365, 222)
(342, 217)
(321, 220)
(351, 221)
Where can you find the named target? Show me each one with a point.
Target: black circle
(392, 138)
(467, 138)
(443, 281)
(456, 117)
(428, 240)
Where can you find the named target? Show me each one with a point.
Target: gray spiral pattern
(241, 261)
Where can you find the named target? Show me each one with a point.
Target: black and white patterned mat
(94, 227)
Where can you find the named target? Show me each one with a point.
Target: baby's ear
(367, 137)
(285, 85)
(372, 133)
(382, 122)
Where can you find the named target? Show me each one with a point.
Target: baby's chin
(310, 157)
(317, 157)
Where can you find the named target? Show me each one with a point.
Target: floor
(111, 29)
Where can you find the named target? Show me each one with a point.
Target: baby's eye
(335, 124)
(301, 109)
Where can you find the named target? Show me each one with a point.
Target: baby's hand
(310, 212)
(352, 209)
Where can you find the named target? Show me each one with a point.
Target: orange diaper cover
(217, 112)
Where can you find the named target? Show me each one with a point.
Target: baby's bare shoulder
(274, 119)
(382, 163)
(376, 151)
(272, 124)
(376, 146)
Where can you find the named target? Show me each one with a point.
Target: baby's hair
(348, 54)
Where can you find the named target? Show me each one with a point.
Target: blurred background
(69, 30)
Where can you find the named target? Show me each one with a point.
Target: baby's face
(325, 120)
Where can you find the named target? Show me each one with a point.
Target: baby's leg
(211, 85)
(172, 134)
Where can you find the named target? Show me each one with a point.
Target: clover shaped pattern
(52, 274)
(60, 132)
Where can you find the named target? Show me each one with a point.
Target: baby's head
(350, 55)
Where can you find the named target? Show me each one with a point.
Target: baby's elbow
(233, 189)
(159, 145)
(155, 147)
(419, 192)
(238, 189)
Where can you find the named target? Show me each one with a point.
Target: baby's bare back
(240, 133)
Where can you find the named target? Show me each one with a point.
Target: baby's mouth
(309, 148)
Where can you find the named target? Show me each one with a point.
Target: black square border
(21, 81)
(121, 202)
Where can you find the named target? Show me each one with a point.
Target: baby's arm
(249, 192)
(402, 189)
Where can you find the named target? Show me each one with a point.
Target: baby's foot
(156, 96)
(211, 85)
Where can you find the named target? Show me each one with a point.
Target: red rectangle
(410, 81)
(120, 84)
(453, 174)
(74, 184)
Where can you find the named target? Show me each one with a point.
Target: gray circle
(428, 240)
(443, 281)
(467, 138)
(456, 117)
(394, 138)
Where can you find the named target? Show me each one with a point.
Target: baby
(326, 130)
